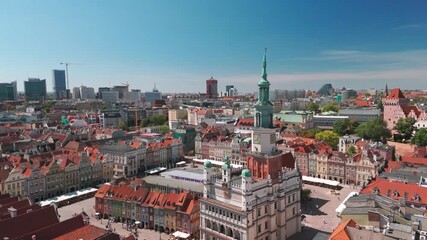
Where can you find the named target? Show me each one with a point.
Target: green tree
(48, 105)
(310, 133)
(375, 129)
(313, 107)
(103, 106)
(345, 126)
(351, 150)
(329, 137)
(145, 122)
(420, 138)
(305, 195)
(405, 127)
(122, 125)
(331, 107)
(164, 129)
(157, 120)
(380, 105)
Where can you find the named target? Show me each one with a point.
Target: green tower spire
(264, 107)
(264, 65)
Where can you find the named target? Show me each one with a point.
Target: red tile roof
(393, 165)
(23, 224)
(362, 103)
(408, 109)
(56, 229)
(397, 190)
(395, 93)
(414, 160)
(85, 232)
(341, 233)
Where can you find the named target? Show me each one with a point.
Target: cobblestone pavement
(320, 213)
(87, 205)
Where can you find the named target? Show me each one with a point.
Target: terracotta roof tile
(23, 224)
(85, 232)
(395, 93)
(341, 233)
(396, 190)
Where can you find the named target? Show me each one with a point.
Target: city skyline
(358, 45)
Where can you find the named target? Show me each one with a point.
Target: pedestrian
(324, 221)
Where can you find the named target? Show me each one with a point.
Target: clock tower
(263, 133)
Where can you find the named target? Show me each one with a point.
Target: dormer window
(376, 190)
(417, 197)
(395, 193)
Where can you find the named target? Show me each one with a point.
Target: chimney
(420, 151)
(12, 211)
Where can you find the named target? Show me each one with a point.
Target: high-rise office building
(101, 90)
(35, 89)
(59, 84)
(211, 88)
(76, 93)
(8, 91)
(326, 90)
(150, 97)
(123, 92)
(87, 92)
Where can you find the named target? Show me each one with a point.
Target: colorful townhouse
(164, 212)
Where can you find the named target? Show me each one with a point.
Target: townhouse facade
(62, 173)
(151, 210)
(133, 157)
(316, 159)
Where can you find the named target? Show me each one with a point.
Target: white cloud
(409, 58)
(409, 26)
(362, 79)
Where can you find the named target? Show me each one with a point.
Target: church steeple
(264, 107)
(264, 66)
(386, 90)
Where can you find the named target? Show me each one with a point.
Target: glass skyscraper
(59, 84)
(35, 89)
(8, 91)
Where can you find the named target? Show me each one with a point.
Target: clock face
(257, 139)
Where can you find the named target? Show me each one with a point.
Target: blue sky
(180, 44)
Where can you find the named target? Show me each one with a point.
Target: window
(265, 209)
(259, 212)
(266, 225)
(259, 228)
(293, 211)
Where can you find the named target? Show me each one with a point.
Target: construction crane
(66, 72)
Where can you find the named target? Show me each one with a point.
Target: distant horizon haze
(178, 45)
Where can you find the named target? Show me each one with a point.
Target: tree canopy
(345, 126)
(313, 107)
(331, 107)
(154, 120)
(310, 133)
(351, 150)
(405, 127)
(122, 125)
(420, 138)
(329, 137)
(164, 129)
(375, 129)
